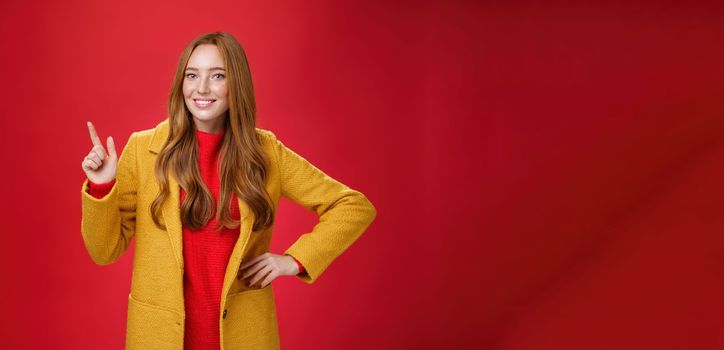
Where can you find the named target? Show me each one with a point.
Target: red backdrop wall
(547, 175)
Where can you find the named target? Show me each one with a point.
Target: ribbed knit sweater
(206, 253)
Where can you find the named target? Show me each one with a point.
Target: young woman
(200, 193)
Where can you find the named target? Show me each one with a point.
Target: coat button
(224, 316)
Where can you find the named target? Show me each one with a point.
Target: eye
(220, 75)
(187, 75)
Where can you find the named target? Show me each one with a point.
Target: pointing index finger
(94, 135)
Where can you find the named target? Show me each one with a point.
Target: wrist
(300, 267)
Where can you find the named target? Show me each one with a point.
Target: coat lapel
(171, 210)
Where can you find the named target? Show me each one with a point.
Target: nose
(203, 86)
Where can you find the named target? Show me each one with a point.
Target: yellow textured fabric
(247, 317)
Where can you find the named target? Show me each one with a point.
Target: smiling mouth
(201, 103)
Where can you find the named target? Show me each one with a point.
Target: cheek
(220, 89)
(187, 89)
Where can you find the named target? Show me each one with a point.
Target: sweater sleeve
(344, 213)
(100, 190)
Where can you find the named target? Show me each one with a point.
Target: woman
(200, 193)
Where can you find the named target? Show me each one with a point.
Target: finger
(89, 165)
(269, 278)
(253, 261)
(111, 147)
(259, 275)
(86, 165)
(94, 135)
(100, 151)
(97, 162)
(94, 156)
(252, 269)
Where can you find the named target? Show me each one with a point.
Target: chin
(204, 118)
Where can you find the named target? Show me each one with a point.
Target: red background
(546, 175)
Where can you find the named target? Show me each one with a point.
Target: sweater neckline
(204, 133)
(209, 141)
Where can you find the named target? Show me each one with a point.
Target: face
(204, 88)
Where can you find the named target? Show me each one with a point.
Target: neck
(211, 126)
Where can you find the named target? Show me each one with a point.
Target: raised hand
(100, 166)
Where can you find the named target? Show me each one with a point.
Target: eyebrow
(212, 68)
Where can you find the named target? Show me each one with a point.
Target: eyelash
(187, 74)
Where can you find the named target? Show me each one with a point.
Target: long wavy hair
(243, 164)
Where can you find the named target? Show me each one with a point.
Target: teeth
(202, 102)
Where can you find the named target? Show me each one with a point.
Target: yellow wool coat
(247, 316)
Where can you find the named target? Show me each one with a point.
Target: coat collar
(160, 134)
(171, 210)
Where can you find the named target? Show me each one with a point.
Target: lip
(200, 106)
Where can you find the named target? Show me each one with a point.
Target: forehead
(206, 56)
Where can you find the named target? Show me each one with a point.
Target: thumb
(111, 147)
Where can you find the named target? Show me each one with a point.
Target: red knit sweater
(206, 253)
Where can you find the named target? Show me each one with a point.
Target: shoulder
(266, 134)
(148, 134)
(145, 133)
(151, 139)
(268, 139)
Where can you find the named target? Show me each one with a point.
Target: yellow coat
(247, 317)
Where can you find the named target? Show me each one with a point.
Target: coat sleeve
(108, 223)
(344, 213)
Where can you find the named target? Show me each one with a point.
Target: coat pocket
(153, 327)
(251, 320)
